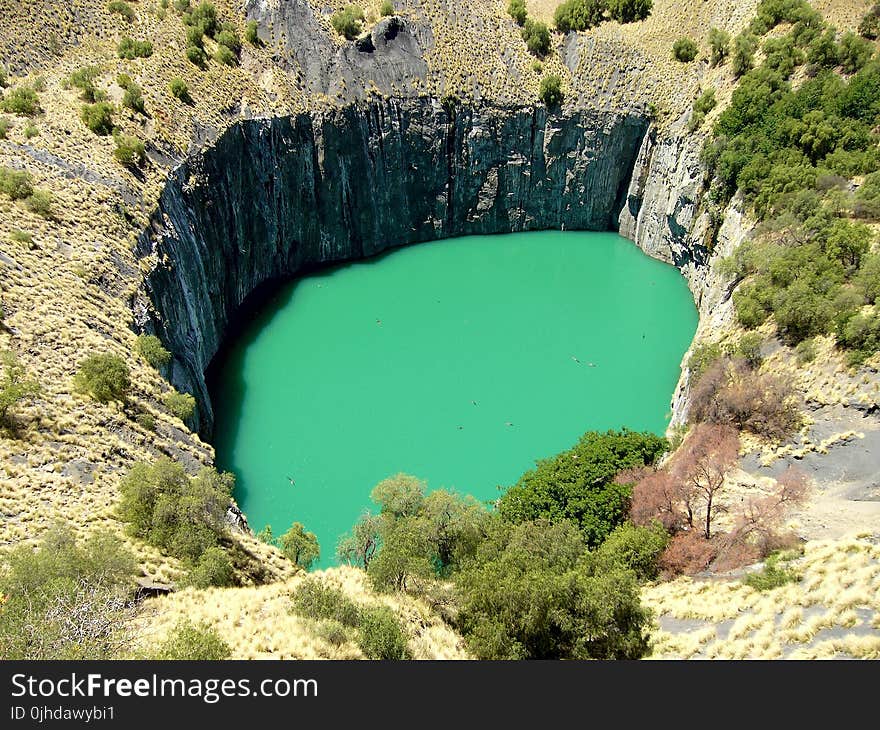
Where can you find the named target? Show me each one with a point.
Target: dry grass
(837, 578)
(257, 622)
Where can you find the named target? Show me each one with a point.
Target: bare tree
(701, 466)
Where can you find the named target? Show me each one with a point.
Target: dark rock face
(273, 197)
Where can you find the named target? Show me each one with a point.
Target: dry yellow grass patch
(257, 623)
(838, 578)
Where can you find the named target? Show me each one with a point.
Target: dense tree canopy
(530, 592)
(579, 484)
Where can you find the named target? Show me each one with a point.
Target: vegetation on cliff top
(792, 151)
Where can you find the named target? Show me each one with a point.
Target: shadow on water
(225, 375)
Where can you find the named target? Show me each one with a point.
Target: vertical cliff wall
(270, 198)
(663, 214)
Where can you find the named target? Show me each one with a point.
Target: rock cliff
(273, 197)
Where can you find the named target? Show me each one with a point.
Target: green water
(461, 362)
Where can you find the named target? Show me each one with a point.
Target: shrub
(40, 203)
(133, 98)
(30, 130)
(204, 17)
(67, 599)
(632, 548)
(181, 405)
(688, 553)
(17, 184)
(867, 279)
(300, 546)
(550, 90)
(580, 484)
(684, 50)
(348, 22)
(213, 568)
(4, 76)
(129, 150)
(22, 100)
(84, 80)
(225, 56)
(381, 636)
(4, 127)
(861, 335)
(855, 52)
(702, 358)
(251, 34)
(182, 515)
(869, 27)
(726, 394)
(748, 349)
(702, 106)
(314, 599)
(805, 351)
(121, 7)
(516, 9)
(744, 46)
(151, 349)
(802, 311)
(146, 421)
(178, 88)
(188, 642)
(719, 46)
(229, 39)
(629, 11)
(579, 14)
(333, 632)
(98, 117)
(130, 48)
(15, 387)
(771, 576)
(537, 37)
(386, 8)
(823, 50)
(196, 55)
(105, 377)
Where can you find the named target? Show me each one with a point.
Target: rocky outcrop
(388, 59)
(270, 198)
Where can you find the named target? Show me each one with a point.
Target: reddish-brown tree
(702, 464)
(730, 393)
(687, 553)
(658, 497)
(756, 533)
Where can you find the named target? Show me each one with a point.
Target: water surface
(460, 361)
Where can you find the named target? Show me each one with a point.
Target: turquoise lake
(460, 361)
